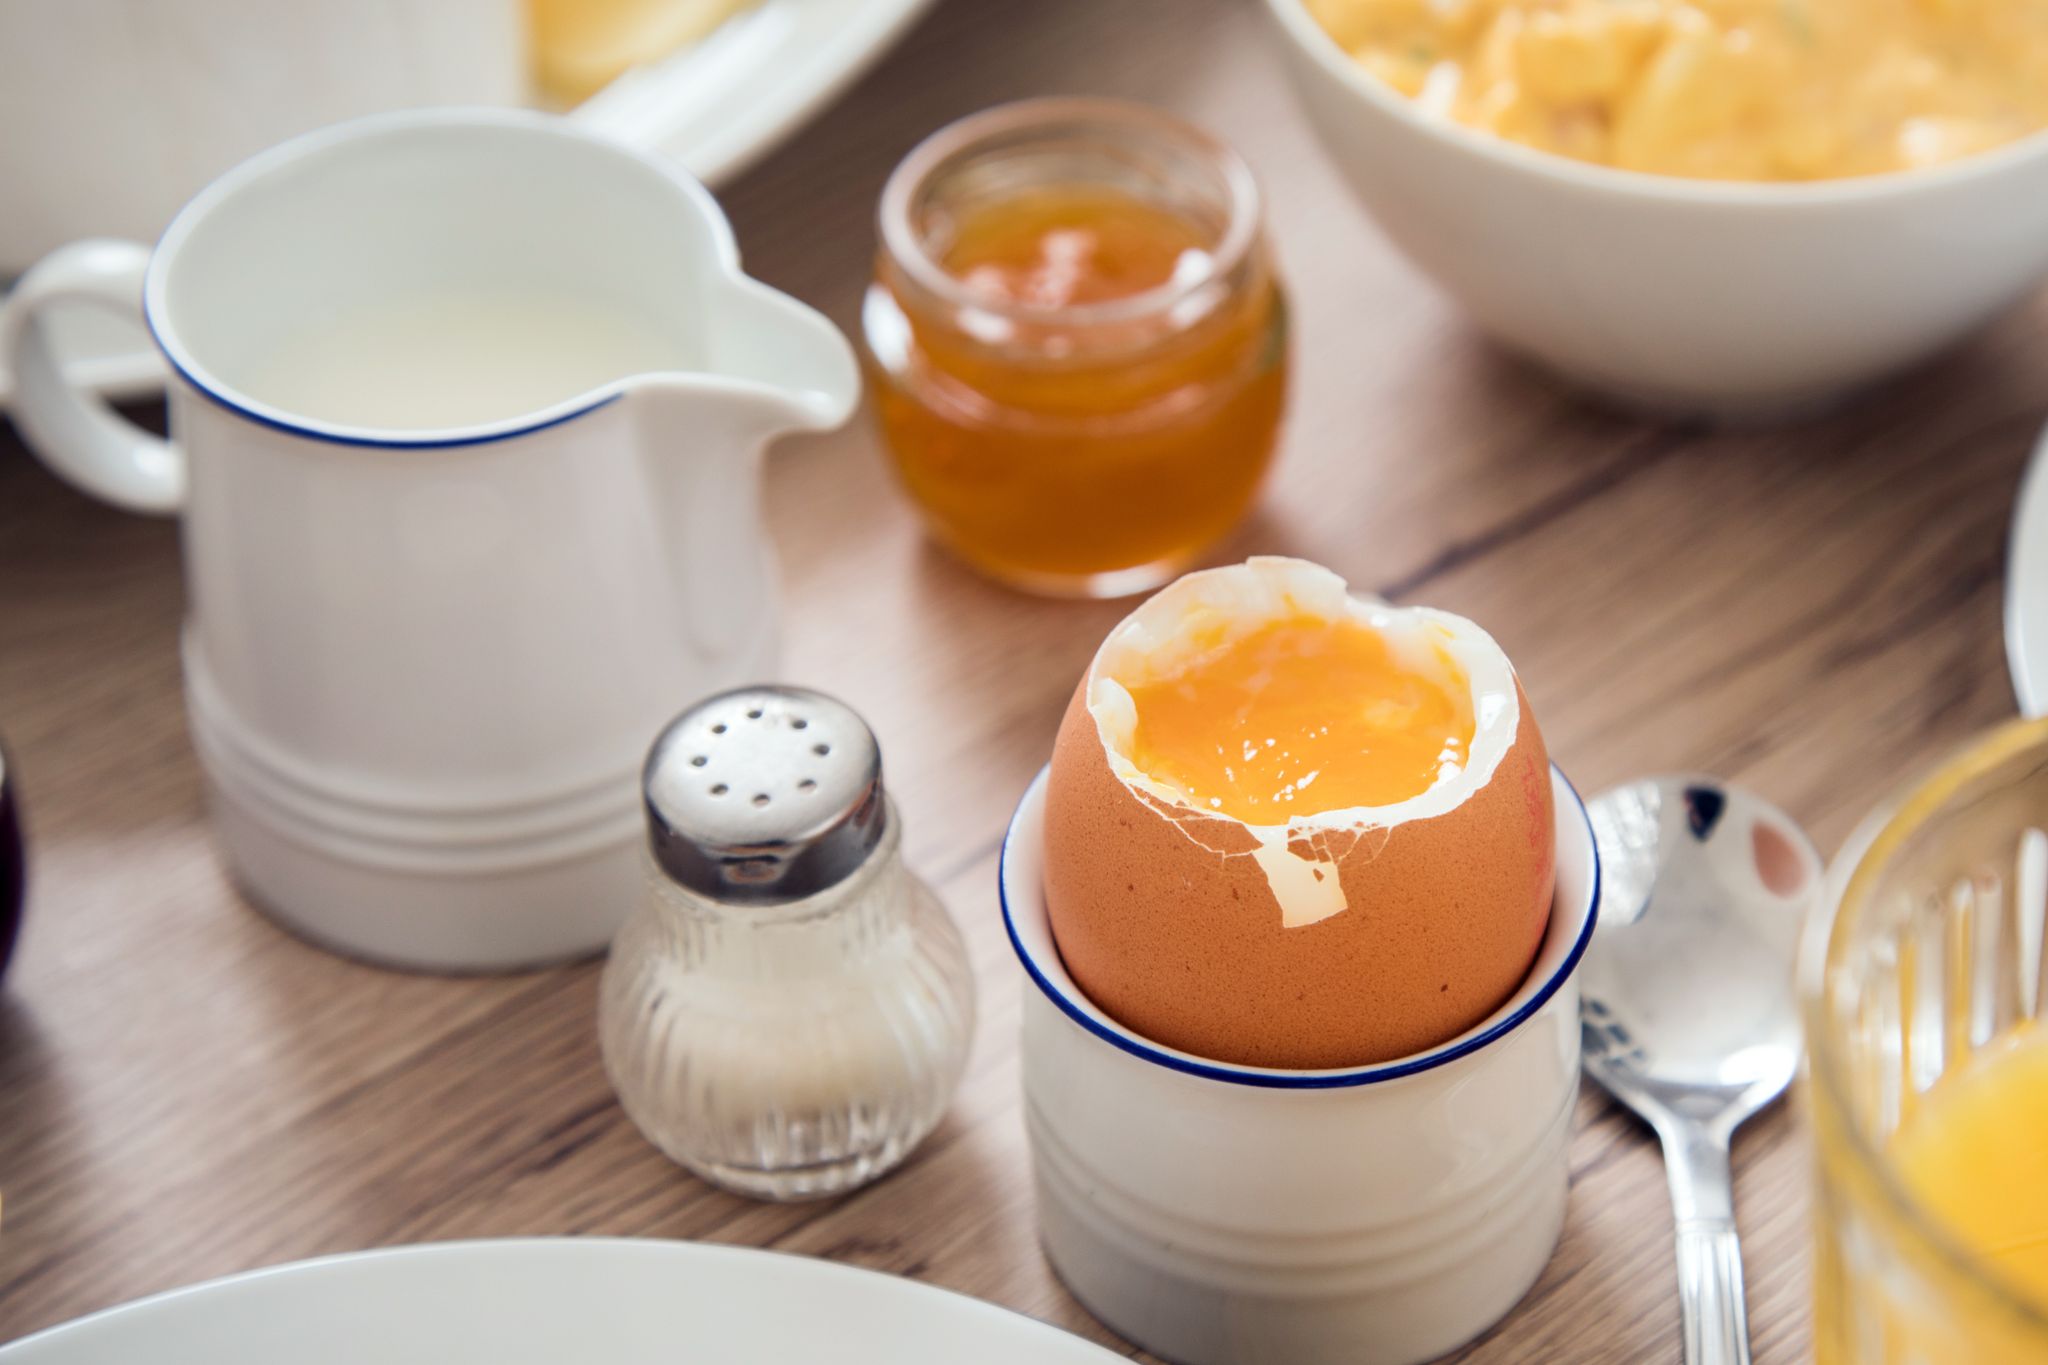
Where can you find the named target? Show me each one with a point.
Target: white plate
(2026, 588)
(557, 1301)
(717, 106)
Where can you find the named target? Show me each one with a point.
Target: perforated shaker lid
(764, 795)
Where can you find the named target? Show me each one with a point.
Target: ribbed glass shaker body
(789, 1051)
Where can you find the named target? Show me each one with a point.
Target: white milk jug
(467, 415)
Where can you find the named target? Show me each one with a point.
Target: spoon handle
(1709, 1256)
(1710, 1292)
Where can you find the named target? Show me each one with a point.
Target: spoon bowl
(1687, 1009)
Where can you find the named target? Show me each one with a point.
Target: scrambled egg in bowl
(1717, 89)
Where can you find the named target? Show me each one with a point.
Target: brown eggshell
(1185, 945)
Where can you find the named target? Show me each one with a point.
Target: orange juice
(1975, 1156)
(1926, 1084)
(1960, 1278)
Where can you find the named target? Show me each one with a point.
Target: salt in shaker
(788, 1012)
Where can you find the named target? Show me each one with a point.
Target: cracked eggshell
(1340, 939)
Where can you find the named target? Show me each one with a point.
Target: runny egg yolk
(1300, 716)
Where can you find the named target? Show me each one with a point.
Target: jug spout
(802, 366)
(773, 366)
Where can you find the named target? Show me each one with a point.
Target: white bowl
(1683, 295)
(1222, 1215)
(551, 1301)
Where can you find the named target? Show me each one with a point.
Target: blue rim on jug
(290, 151)
(1145, 1050)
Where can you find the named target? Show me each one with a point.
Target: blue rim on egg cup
(1275, 1079)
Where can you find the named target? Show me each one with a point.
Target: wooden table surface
(186, 1091)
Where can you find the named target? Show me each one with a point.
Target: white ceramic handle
(77, 435)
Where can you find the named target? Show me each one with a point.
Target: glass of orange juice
(1927, 1079)
(1076, 342)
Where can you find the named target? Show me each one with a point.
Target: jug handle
(79, 437)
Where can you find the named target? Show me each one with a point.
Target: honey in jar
(1077, 345)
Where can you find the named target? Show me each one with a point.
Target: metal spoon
(1687, 1007)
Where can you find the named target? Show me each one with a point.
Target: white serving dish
(1224, 1215)
(550, 1301)
(2026, 588)
(716, 107)
(1687, 296)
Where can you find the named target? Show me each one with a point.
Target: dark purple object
(13, 866)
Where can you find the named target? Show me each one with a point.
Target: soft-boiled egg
(1294, 828)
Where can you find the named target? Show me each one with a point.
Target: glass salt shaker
(788, 1012)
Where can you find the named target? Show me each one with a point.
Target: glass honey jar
(1077, 344)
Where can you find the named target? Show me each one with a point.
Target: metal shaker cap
(764, 795)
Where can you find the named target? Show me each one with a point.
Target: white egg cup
(1223, 1215)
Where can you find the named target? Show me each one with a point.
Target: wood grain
(185, 1091)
